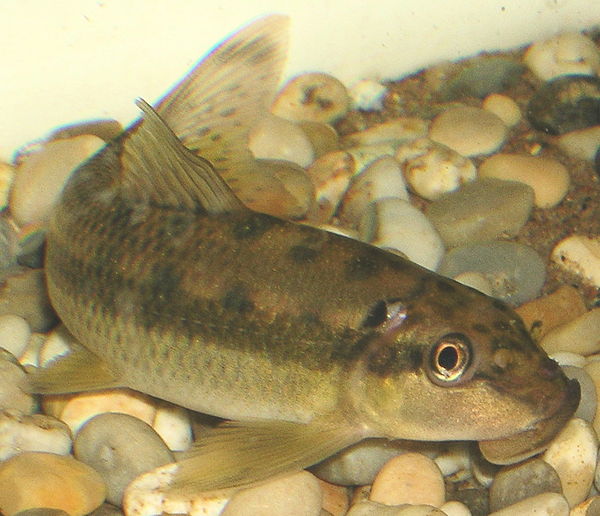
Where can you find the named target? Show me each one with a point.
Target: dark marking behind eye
(377, 315)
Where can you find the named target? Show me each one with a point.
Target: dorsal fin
(157, 166)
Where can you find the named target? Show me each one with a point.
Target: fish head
(454, 364)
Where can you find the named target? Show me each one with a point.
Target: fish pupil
(450, 359)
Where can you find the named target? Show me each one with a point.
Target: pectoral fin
(241, 453)
(80, 370)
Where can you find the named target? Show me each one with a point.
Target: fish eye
(385, 314)
(450, 358)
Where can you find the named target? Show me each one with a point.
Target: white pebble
(37, 432)
(298, 494)
(12, 376)
(318, 97)
(395, 130)
(364, 155)
(382, 178)
(368, 95)
(503, 107)
(57, 344)
(31, 354)
(566, 54)
(7, 176)
(579, 255)
(468, 130)
(581, 144)
(41, 177)
(548, 177)
(368, 508)
(432, 169)
(455, 457)
(476, 280)
(397, 224)
(455, 508)
(409, 478)
(581, 335)
(545, 504)
(149, 494)
(277, 138)
(573, 454)
(14, 333)
(567, 358)
(173, 425)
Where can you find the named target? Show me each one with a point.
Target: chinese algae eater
(307, 340)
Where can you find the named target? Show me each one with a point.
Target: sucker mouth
(520, 446)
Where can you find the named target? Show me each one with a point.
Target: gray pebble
(589, 400)
(120, 447)
(42, 511)
(12, 376)
(481, 210)
(31, 253)
(516, 483)
(107, 509)
(475, 498)
(515, 271)
(489, 75)
(565, 104)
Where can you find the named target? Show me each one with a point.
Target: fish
(306, 341)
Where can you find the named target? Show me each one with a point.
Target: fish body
(176, 289)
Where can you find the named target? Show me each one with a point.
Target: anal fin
(80, 370)
(241, 453)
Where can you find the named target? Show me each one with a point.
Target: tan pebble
(298, 494)
(581, 144)
(469, 131)
(337, 230)
(330, 176)
(173, 425)
(360, 494)
(398, 129)
(455, 508)
(41, 177)
(107, 129)
(547, 312)
(581, 335)
(593, 369)
(12, 376)
(35, 479)
(382, 178)
(364, 155)
(277, 138)
(548, 178)
(31, 354)
(322, 137)
(545, 504)
(335, 498)
(317, 97)
(58, 343)
(409, 478)
(590, 507)
(432, 169)
(76, 409)
(7, 176)
(14, 333)
(377, 509)
(37, 432)
(579, 255)
(453, 458)
(566, 358)
(503, 107)
(150, 494)
(475, 280)
(573, 454)
(565, 54)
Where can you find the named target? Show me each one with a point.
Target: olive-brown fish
(308, 340)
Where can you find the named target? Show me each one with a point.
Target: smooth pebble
(475, 280)
(323, 137)
(579, 254)
(521, 481)
(454, 457)
(298, 494)
(545, 504)
(548, 177)
(381, 179)
(36, 432)
(104, 128)
(34, 479)
(432, 169)
(409, 478)
(150, 494)
(503, 107)
(589, 402)
(364, 155)
(368, 95)
(42, 511)
(9, 244)
(173, 425)
(119, 447)
(565, 54)
(277, 138)
(573, 454)
(566, 358)
(398, 225)
(581, 144)
(552, 310)
(481, 210)
(515, 271)
(454, 508)
(567, 103)
(7, 176)
(368, 508)
(395, 130)
(14, 333)
(580, 335)
(589, 507)
(593, 369)
(41, 177)
(336, 499)
(12, 377)
(470, 131)
(318, 97)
